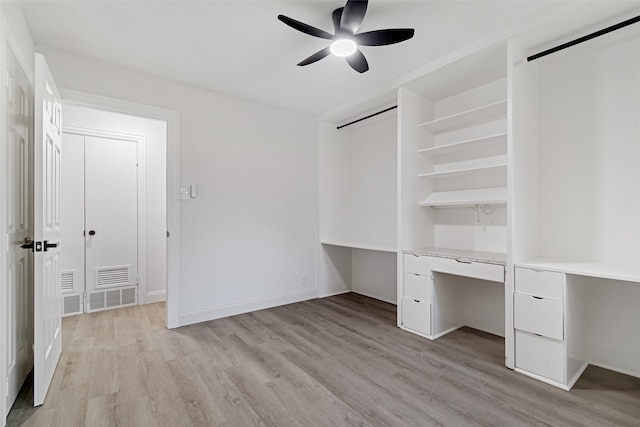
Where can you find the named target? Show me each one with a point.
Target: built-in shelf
(589, 269)
(470, 144)
(461, 172)
(366, 246)
(482, 114)
(496, 196)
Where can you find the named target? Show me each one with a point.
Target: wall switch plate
(193, 189)
(184, 193)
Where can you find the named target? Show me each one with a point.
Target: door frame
(141, 200)
(8, 41)
(172, 118)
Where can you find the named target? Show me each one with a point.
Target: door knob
(92, 232)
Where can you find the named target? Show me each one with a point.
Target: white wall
(155, 167)
(252, 232)
(589, 169)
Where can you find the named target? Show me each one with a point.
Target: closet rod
(585, 38)
(368, 117)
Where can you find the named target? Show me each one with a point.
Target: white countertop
(590, 269)
(461, 255)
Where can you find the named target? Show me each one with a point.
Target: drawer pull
(415, 274)
(463, 261)
(416, 300)
(532, 296)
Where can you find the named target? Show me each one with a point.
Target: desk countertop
(463, 255)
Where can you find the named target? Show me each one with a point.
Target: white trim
(212, 313)
(332, 294)
(375, 297)
(172, 118)
(141, 198)
(155, 296)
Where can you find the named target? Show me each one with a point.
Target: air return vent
(67, 280)
(71, 304)
(112, 298)
(112, 276)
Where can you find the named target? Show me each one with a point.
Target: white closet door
(72, 238)
(111, 220)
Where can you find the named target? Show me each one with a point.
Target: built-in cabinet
(517, 201)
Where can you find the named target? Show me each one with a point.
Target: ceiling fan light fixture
(343, 47)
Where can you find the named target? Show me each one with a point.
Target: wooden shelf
(496, 196)
(468, 118)
(360, 245)
(462, 172)
(470, 144)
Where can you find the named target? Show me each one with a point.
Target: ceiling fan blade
(384, 37)
(337, 16)
(305, 28)
(358, 62)
(315, 57)
(353, 15)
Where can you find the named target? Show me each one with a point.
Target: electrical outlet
(303, 280)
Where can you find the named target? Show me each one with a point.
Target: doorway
(114, 210)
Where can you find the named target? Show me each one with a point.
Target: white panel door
(18, 354)
(46, 188)
(72, 238)
(111, 217)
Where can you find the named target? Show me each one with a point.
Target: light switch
(184, 193)
(194, 191)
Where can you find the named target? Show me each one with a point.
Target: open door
(46, 203)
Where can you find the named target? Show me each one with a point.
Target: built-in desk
(444, 289)
(568, 315)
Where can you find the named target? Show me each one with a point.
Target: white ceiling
(240, 48)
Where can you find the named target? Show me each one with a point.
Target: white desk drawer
(416, 315)
(541, 356)
(478, 270)
(540, 316)
(416, 264)
(545, 284)
(417, 287)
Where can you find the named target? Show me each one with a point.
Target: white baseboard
(375, 297)
(155, 296)
(334, 294)
(212, 313)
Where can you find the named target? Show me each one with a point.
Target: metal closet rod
(585, 38)
(368, 117)
(533, 57)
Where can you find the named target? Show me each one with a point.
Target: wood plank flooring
(338, 361)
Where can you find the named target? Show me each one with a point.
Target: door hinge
(168, 233)
(6, 387)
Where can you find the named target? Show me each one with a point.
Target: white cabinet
(416, 315)
(477, 270)
(438, 298)
(416, 298)
(540, 349)
(540, 316)
(540, 283)
(417, 286)
(541, 356)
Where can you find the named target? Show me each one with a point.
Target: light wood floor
(338, 361)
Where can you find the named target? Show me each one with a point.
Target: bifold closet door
(111, 219)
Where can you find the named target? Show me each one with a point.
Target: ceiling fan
(345, 41)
